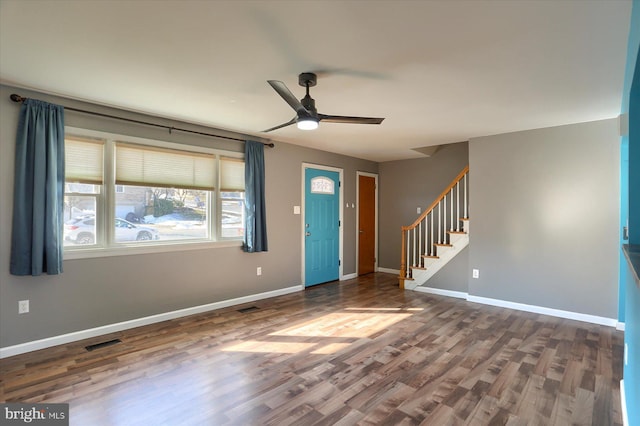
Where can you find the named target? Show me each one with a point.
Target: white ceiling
(439, 71)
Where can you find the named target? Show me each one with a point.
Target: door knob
(361, 231)
(307, 233)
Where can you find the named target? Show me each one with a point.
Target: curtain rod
(18, 98)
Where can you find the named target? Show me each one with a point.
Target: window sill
(146, 249)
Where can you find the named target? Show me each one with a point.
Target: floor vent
(248, 309)
(102, 344)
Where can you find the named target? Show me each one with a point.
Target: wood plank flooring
(360, 352)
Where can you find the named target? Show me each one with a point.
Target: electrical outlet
(476, 273)
(418, 210)
(259, 270)
(23, 306)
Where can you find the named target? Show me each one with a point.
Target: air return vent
(102, 344)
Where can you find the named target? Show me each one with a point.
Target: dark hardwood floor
(358, 352)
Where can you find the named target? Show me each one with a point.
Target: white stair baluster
(440, 223)
(413, 247)
(426, 235)
(458, 206)
(466, 212)
(451, 224)
(432, 236)
(419, 244)
(444, 220)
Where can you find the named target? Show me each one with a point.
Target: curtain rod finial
(17, 98)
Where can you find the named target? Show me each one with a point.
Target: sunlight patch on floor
(385, 309)
(352, 324)
(270, 347)
(329, 327)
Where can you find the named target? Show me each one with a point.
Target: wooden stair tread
(420, 268)
(456, 232)
(443, 245)
(424, 256)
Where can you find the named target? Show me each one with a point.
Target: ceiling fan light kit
(307, 117)
(307, 124)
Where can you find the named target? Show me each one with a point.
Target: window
(123, 192)
(322, 185)
(232, 197)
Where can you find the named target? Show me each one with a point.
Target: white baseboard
(389, 271)
(623, 403)
(125, 325)
(348, 277)
(611, 322)
(620, 326)
(441, 292)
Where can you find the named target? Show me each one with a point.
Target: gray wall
(543, 205)
(454, 276)
(408, 184)
(544, 217)
(107, 290)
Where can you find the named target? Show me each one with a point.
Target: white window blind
(83, 160)
(143, 165)
(231, 174)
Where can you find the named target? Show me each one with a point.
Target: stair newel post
(403, 269)
(408, 255)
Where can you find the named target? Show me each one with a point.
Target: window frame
(106, 200)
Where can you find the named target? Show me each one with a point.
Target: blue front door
(322, 226)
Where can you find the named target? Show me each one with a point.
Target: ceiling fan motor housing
(309, 104)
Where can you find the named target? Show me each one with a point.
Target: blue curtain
(255, 213)
(38, 197)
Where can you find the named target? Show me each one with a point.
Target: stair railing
(420, 239)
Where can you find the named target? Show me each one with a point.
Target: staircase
(437, 235)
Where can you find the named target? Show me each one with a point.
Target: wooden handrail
(440, 198)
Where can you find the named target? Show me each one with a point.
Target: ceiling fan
(307, 117)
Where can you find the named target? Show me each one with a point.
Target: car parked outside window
(82, 230)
